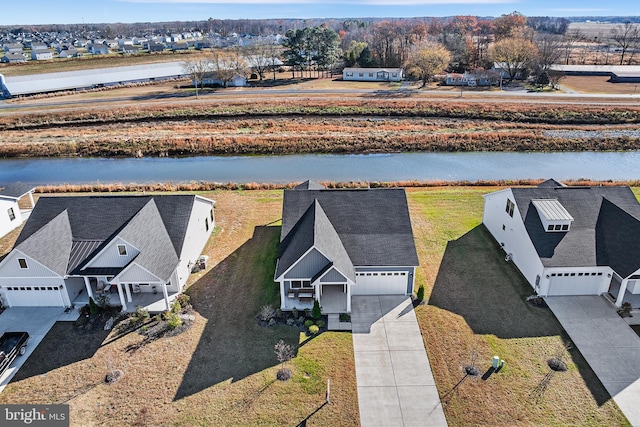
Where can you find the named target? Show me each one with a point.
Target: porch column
(348, 298)
(623, 290)
(121, 295)
(87, 285)
(128, 291)
(166, 295)
(282, 296)
(33, 204)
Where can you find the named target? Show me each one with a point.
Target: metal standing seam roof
(552, 210)
(49, 82)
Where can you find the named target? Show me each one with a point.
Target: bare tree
(514, 54)
(284, 352)
(197, 69)
(549, 50)
(226, 64)
(261, 57)
(627, 37)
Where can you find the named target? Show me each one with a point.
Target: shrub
(344, 317)
(320, 324)
(294, 312)
(183, 300)
(139, 316)
(313, 329)
(308, 323)
(316, 312)
(307, 312)
(93, 307)
(420, 295)
(102, 300)
(176, 307)
(173, 321)
(278, 313)
(283, 374)
(272, 322)
(291, 321)
(267, 313)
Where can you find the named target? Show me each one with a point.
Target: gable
(136, 274)
(308, 266)
(333, 276)
(110, 255)
(9, 267)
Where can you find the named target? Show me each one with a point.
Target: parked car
(12, 344)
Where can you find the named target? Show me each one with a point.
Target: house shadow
(232, 345)
(48, 356)
(475, 282)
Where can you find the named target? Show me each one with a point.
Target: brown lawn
(598, 84)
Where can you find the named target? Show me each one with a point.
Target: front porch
(633, 299)
(154, 303)
(332, 299)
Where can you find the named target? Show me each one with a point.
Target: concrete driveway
(607, 343)
(36, 321)
(395, 383)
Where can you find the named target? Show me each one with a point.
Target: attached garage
(575, 284)
(34, 296)
(381, 283)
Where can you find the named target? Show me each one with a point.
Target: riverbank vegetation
(319, 126)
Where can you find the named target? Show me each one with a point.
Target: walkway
(395, 383)
(607, 343)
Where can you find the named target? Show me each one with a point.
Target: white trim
(132, 263)
(87, 264)
(6, 261)
(297, 261)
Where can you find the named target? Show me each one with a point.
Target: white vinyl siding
(381, 283)
(196, 237)
(111, 256)
(11, 268)
(136, 274)
(308, 266)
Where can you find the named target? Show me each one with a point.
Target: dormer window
(122, 250)
(510, 206)
(554, 217)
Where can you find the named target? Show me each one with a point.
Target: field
(221, 371)
(598, 84)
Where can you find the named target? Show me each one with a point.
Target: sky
(111, 11)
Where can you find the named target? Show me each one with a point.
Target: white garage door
(380, 283)
(574, 285)
(34, 296)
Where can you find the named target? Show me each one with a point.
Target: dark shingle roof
(16, 190)
(373, 224)
(309, 185)
(600, 214)
(314, 229)
(156, 225)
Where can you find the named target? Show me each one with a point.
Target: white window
(206, 224)
(297, 284)
(22, 262)
(122, 250)
(370, 74)
(12, 214)
(361, 75)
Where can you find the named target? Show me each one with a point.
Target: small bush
(307, 312)
(320, 324)
(556, 364)
(314, 329)
(283, 374)
(176, 307)
(344, 317)
(93, 307)
(272, 322)
(291, 322)
(316, 312)
(267, 313)
(183, 300)
(294, 312)
(308, 323)
(420, 294)
(102, 300)
(278, 313)
(173, 321)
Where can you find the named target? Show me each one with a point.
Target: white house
(138, 250)
(373, 74)
(11, 216)
(339, 243)
(41, 54)
(569, 240)
(97, 49)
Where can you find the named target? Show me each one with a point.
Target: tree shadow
(475, 282)
(232, 345)
(303, 423)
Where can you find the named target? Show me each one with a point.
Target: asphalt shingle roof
(605, 230)
(66, 232)
(373, 225)
(15, 190)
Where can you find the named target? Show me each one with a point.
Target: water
(366, 167)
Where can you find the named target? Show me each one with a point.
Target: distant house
(38, 46)
(128, 49)
(125, 42)
(154, 47)
(212, 79)
(136, 250)
(113, 44)
(97, 49)
(180, 46)
(373, 74)
(502, 68)
(617, 73)
(69, 53)
(41, 54)
(11, 216)
(13, 47)
(475, 78)
(12, 57)
(569, 240)
(203, 44)
(339, 243)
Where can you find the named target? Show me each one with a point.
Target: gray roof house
(569, 240)
(137, 250)
(339, 243)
